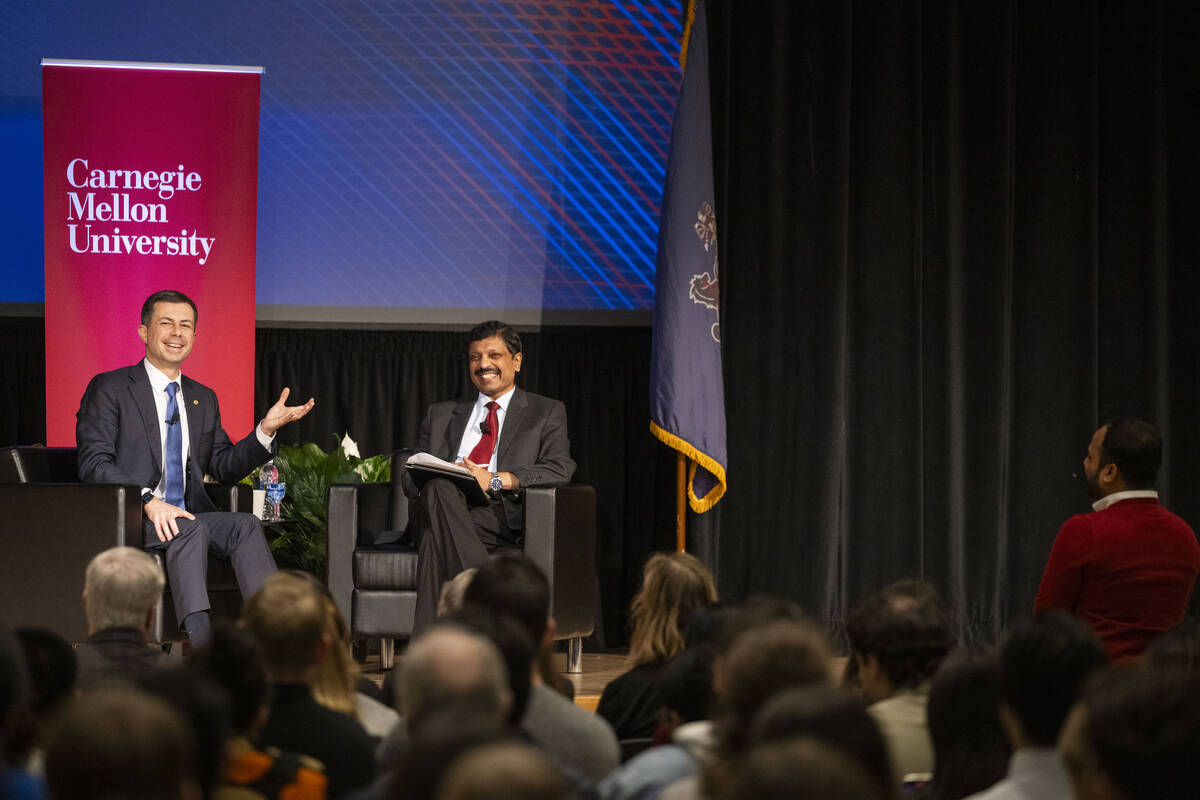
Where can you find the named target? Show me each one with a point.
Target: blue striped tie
(174, 488)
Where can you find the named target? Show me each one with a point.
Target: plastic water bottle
(268, 478)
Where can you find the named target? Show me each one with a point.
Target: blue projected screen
(418, 161)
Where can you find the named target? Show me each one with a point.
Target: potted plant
(308, 471)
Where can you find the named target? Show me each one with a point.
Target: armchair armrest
(560, 537)
(231, 496)
(351, 508)
(51, 531)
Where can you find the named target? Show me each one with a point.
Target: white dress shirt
(158, 382)
(473, 434)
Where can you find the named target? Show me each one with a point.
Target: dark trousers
(454, 536)
(236, 536)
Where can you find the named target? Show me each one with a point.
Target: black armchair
(372, 562)
(52, 527)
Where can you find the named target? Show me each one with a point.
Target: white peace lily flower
(349, 447)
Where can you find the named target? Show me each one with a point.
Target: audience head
(1133, 447)
(763, 662)
(121, 587)
(517, 650)
(685, 685)
(232, 660)
(503, 771)
(50, 670)
(512, 584)
(450, 599)
(1178, 647)
(204, 709)
(758, 610)
(1044, 665)
(334, 683)
(445, 734)
(969, 745)
(287, 616)
(829, 716)
(1135, 735)
(802, 769)
(14, 694)
(899, 636)
(452, 667)
(705, 625)
(151, 758)
(674, 587)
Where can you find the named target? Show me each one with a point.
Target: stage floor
(598, 670)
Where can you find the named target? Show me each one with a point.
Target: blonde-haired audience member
(451, 598)
(674, 587)
(289, 619)
(337, 683)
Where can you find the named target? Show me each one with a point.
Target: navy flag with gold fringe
(687, 395)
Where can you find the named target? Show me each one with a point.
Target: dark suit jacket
(118, 436)
(533, 443)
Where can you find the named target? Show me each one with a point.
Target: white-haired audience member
(122, 586)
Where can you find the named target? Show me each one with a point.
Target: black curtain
(955, 238)
(377, 384)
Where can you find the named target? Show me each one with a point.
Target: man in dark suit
(509, 439)
(150, 426)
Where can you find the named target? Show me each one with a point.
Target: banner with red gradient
(151, 182)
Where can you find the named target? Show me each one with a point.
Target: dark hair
(51, 666)
(802, 768)
(1143, 728)
(204, 708)
(167, 296)
(685, 683)
(758, 610)
(763, 661)
(969, 745)
(447, 734)
(512, 584)
(906, 628)
(705, 624)
(514, 644)
(1044, 665)
(231, 658)
(1135, 446)
(494, 327)
(150, 758)
(1178, 647)
(830, 716)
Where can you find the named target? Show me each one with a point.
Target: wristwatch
(147, 497)
(495, 485)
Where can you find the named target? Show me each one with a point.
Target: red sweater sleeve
(1064, 569)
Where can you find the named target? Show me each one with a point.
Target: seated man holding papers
(500, 441)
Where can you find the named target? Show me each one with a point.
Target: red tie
(482, 454)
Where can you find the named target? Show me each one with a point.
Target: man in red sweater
(1128, 567)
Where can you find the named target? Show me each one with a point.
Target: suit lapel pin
(195, 402)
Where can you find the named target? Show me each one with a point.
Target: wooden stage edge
(598, 670)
